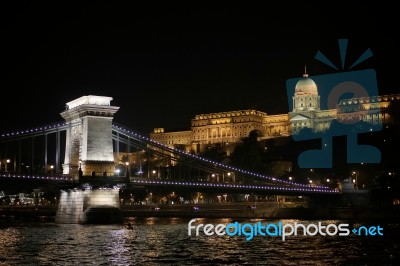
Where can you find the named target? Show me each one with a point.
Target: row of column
(17, 166)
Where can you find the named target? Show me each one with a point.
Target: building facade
(226, 128)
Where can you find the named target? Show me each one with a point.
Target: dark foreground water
(165, 241)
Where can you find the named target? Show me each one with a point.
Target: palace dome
(306, 86)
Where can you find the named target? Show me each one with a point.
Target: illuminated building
(227, 128)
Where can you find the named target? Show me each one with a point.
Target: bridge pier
(88, 206)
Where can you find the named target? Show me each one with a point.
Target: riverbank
(243, 211)
(264, 211)
(8, 213)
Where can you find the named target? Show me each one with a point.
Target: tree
(394, 112)
(215, 153)
(248, 154)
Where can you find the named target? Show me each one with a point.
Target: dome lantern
(306, 86)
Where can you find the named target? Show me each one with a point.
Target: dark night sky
(163, 66)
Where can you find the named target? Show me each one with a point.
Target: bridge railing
(62, 178)
(48, 128)
(231, 187)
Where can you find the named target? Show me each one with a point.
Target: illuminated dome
(306, 86)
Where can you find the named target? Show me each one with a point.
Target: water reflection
(154, 241)
(9, 242)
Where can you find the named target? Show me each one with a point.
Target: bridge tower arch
(89, 144)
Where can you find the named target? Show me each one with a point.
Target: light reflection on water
(154, 241)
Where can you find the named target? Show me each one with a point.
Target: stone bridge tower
(89, 143)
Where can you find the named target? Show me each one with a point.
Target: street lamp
(52, 169)
(127, 169)
(7, 162)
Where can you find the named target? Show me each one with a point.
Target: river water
(165, 241)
